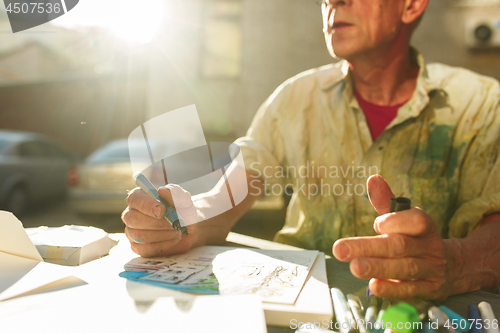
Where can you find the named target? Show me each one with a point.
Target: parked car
(99, 185)
(33, 168)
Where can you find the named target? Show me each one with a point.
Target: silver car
(33, 168)
(102, 181)
(100, 184)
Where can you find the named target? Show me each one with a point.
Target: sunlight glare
(132, 20)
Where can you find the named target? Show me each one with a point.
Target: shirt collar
(421, 96)
(341, 72)
(338, 73)
(418, 101)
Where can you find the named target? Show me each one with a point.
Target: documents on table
(84, 310)
(22, 268)
(70, 245)
(276, 276)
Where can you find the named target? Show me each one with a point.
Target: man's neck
(385, 77)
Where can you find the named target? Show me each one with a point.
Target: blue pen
(476, 327)
(170, 214)
(342, 312)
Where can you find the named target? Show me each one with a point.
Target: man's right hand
(149, 233)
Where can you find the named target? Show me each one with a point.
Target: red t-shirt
(378, 116)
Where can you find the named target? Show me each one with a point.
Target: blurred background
(72, 88)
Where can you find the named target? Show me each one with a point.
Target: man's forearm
(474, 261)
(213, 228)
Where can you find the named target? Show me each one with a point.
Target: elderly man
(432, 131)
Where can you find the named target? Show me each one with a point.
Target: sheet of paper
(314, 303)
(189, 272)
(21, 266)
(13, 238)
(275, 276)
(58, 313)
(21, 275)
(177, 272)
(13, 269)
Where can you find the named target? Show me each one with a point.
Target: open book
(22, 270)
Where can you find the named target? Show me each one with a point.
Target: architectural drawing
(275, 276)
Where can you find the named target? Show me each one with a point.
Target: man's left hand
(408, 259)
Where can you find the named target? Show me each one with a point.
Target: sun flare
(131, 20)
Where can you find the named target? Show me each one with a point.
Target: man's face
(353, 27)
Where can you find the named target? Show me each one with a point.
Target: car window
(4, 144)
(109, 153)
(33, 149)
(55, 151)
(116, 151)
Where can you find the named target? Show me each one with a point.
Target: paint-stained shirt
(441, 151)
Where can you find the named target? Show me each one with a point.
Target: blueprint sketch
(275, 276)
(190, 271)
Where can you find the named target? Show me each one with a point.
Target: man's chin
(342, 50)
(340, 54)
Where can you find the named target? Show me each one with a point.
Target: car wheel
(17, 201)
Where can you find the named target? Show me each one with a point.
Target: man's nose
(335, 3)
(329, 8)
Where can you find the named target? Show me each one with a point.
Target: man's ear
(413, 10)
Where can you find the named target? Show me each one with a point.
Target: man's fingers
(165, 193)
(397, 289)
(163, 248)
(158, 249)
(400, 268)
(181, 201)
(149, 233)
(136, 220)
(151, 236)
(412, 222)
(384, 246)
(176, 196)
(138, 200)
(380, 193)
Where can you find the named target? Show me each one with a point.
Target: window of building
(222, 39)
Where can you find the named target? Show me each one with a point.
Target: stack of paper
(70, 245)
(22, 267)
